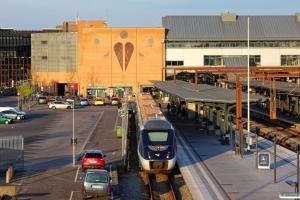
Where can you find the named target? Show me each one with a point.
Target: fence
(12, 152)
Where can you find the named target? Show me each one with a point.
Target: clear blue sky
(39, 14)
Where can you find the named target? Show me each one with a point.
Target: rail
(160, 187)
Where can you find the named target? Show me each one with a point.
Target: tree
(92, 77)
(70, 75)
(24, 90)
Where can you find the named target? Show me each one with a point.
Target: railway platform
(214, 171)
(284, 118)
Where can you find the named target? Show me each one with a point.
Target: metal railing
(12, 152)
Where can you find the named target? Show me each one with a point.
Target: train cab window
(158, 138)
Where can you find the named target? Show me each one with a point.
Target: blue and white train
(157, 147)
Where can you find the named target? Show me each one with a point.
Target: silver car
(96, 182)
(14, 114)
(60, 105)
(43, 100)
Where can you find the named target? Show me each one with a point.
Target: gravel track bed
(160, 187)
(132, 182)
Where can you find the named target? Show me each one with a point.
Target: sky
(39, 14)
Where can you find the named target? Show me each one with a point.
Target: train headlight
(168, 155)
(149, 156)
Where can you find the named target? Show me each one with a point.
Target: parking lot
(48, 168)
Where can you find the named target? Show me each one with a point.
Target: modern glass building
(15, 56)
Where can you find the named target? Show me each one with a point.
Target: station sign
(263, 161)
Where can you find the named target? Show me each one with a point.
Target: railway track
(159, 187)
(286, 134)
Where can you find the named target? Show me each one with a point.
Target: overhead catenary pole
(248, 95)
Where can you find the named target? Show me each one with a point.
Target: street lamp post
(73, 138)
(257, 131)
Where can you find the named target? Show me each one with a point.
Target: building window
(44, 42)
(44, 57)
(174, 63)
(292, 60)
(254, 60)
(231, 44)
(212, 61)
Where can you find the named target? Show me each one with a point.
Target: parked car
(99, 102)
(14, 114)
(84, 102)
(59, 105)
(93, 159)
(95, 183)
(43, 100)
(50, 100)
(115, 101)
(5, 119)
(12, 108)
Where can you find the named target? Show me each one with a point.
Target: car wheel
(53, 107)
(18, 117)
(68, 107)
(6, 122)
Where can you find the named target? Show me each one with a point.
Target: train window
(158, 138)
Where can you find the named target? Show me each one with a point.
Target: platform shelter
(207, 104)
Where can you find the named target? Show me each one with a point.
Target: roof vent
(298, 17)
(228, 17)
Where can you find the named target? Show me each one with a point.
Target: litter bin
(119, 131)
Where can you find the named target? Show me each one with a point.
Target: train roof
(157, 124)
(148, 108)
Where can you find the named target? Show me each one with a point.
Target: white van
(12, 108)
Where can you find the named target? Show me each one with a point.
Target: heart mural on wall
(119, 53)
(129, 48)
(128, 53)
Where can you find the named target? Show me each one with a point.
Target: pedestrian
(183, 113)
(168, 107)
(159, 106)
(119, 105)
(179, 110)
(20, 105)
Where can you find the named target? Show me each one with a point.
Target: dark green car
(5, 119)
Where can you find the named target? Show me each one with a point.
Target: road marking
(91, 132)
(116, 123)
(77, 173)
(72, 194)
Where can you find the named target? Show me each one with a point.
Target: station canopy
(185, 91)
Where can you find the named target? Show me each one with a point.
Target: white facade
(195, 57)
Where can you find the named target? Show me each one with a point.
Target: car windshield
(83, 99)
(93, 155)
(4, 116)
(115, 99)
(96, 178)
(16, 109)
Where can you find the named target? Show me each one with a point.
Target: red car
(92, 159)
